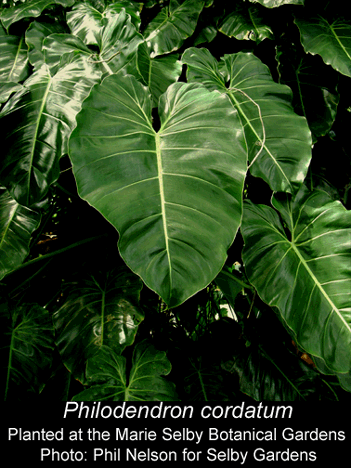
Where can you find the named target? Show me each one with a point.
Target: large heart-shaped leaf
(175, 195)
(109, 379)
(175, 23)
(330, 39)
(100, 310)
(17, 224)
(41, 117)
(279, 141)
(27, 349)
(306, 274)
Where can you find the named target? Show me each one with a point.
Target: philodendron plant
(190, 126)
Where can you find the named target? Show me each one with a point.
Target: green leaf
(88, 23)
(175, 195)
(6, 89)
(266, 113)
(41, 118)
(35, 35)
(109, 379)
(101, 310)
(29, 9)
(247, 22)
(278, 3)
(157, 73)
(306, 275)
(175, 23)
(314, 86)
(17, 223)
(330, 39)
(13, 59)
(27, 349)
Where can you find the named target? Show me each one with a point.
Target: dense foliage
(174, 195)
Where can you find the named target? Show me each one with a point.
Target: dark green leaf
(29, 9)
(247, 22)
(157, 73)
(266, 113)
(109, 379)
(330, 39)
(314, 86)
(41, 117)
(176, 22)
(306, 276)
(17, 224)
(100, 310)
(13, 59)
(28, 349)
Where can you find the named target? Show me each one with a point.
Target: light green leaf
(175, 23)
(306, 275)
(41, 117)
(175, 195)
(99, 310)
(109, 379)
(266, 113)
(330, 39)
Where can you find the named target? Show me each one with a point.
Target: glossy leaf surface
(331, 40)
(29, 9)
(157, 73)
(100, 310)
(41, 117)
(17, 223)
(246, 22)
(13, 59)
(175, 196)
(109, 379)
(306, 275)
(175, 23)
(285, 136)
(27, 349)
(278, 3)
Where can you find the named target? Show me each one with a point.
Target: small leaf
(278, 3)
(17, 223)
(101, 310)
(27, 350)
(107, 374)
